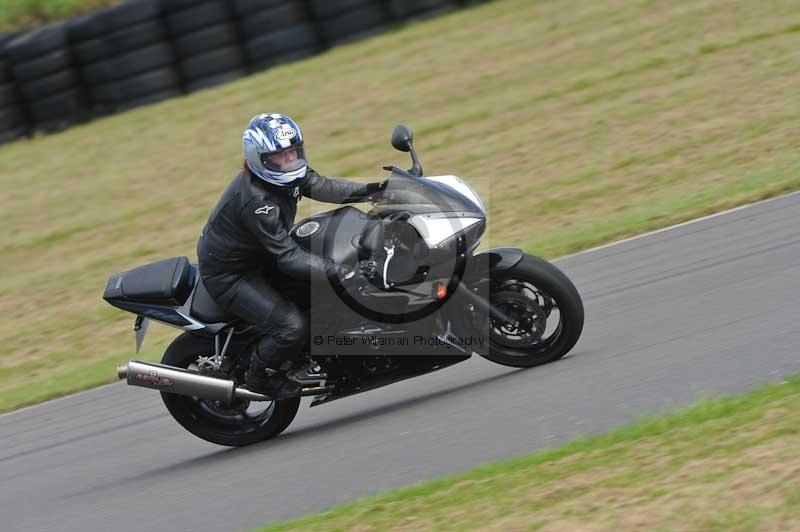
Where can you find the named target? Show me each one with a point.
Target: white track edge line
(675, 226)
(59, 399)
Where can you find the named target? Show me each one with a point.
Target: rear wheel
(546, 314)
(236, 424)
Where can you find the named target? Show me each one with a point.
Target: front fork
(472, 298)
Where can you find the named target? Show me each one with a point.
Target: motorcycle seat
(205, 309)
(166, 282)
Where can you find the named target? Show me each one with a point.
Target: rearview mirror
(402, 138)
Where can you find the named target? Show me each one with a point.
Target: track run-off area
(700, 309)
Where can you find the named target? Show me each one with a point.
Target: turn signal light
(440, 289)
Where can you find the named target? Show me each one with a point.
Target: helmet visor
(287, 160)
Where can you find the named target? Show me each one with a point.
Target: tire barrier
(144, 51)
(125, 56)
(275, 31)
(14, 122)
(407, 9)
(206, 41)
(45, 77)
(342, 21)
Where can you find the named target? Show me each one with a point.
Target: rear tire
(511, 290)
(208, 419)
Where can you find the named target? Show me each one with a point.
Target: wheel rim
(240, 417)
(537, 320)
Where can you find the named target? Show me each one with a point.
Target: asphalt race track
(705, 308)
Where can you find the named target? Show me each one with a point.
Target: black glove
(366, 272)
(374, 191)
(349, 279)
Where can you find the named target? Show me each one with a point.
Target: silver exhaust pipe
(184, 382)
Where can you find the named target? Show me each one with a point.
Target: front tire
(531, 292)
(232, 425)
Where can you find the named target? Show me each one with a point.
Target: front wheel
(237, 424)
(546, 314)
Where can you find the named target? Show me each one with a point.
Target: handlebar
(398, 171)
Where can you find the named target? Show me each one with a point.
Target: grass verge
(20, 14)
(723, 464)
(589, 121)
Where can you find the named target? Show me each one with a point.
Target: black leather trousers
(280, 321)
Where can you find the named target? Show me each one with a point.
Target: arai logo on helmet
(285, 133)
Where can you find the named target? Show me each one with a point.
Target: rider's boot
(270, 381)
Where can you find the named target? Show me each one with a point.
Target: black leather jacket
(249, 228)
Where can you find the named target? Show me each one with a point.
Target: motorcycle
(426, 299)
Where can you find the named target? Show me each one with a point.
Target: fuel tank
(334, 234)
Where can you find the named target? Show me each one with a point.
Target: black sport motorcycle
(425, 300)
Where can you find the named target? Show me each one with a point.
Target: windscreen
(420, 195)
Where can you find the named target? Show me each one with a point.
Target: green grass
(579, 123)
(723, 464)
(21, 14)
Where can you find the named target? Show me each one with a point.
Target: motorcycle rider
(246, 242)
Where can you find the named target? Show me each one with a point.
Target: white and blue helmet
(270, 134)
